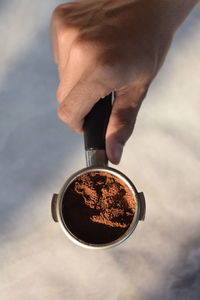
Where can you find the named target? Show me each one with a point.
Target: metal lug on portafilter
(53, 207)
(142, 206)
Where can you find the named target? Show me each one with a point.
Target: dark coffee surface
(98, 207)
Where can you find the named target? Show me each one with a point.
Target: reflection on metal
(96, 158)
(142, 206)
(53, 207)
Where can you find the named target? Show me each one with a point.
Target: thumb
(122, 120)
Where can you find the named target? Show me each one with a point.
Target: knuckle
(77, 49)
(62, 34)
(65, 114)
(63, 9)
(58, 11)
(65, 34)
(81, 50)
(84, 50)
(59, 95)
(123, 121)
(142, 91)
(61, 16)
(107, 77)
(75, 127)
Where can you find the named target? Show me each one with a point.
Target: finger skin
(62, 37)
(79, 65)
(122, 120)
(79, 102)
(101, 46)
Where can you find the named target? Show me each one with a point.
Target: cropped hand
(102, 46)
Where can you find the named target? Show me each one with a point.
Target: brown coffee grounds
(107, 195)
(98, 207)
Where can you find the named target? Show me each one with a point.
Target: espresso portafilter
(95, 126)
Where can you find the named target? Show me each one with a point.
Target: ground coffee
(98, 207)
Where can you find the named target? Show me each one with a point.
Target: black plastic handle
(96, 122)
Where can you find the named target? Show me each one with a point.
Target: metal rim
(80, 242)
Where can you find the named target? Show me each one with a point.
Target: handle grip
(95, 124)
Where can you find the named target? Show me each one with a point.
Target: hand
(107, 45)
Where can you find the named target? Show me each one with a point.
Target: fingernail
(117, 153)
